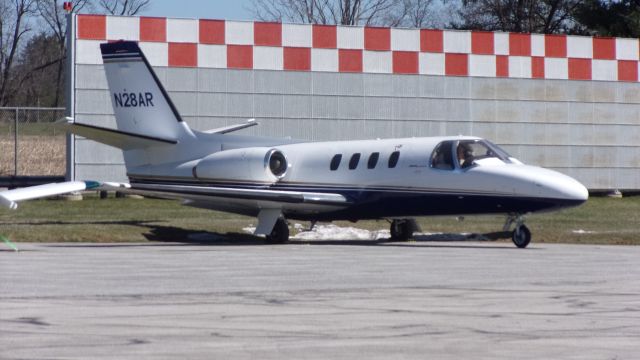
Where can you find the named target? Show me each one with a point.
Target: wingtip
(92, 184)
(11, 205)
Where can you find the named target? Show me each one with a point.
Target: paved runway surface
(350, 299)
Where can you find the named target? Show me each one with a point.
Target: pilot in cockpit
(465, 155)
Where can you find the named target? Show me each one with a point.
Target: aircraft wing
(10, 198)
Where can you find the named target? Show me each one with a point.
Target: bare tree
(13, 28)
(53, 14)
(124, 7)
(542, 16)
(343, 12)
(35, 79)
(419, 13)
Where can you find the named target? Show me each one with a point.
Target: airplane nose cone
(556, 185)
(574, 190)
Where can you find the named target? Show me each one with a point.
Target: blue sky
(201, 9)
(238, 10)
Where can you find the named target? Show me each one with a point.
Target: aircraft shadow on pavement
(176, 236)
(205, 238)
(105, 222)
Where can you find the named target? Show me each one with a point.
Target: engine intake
(277, 163)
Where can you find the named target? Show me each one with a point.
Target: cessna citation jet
(278, 179)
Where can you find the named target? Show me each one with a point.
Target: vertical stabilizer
(140, 102)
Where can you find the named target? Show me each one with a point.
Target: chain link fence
(30, 142)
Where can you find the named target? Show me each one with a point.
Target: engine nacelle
(256, 164)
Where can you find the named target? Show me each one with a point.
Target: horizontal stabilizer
(10, 198)
(232, 128)
(116, 138)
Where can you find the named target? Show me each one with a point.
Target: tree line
(33, 46)
(576, 17)
(33, 32)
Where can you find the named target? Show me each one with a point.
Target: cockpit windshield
(500, 152)
(467, 153)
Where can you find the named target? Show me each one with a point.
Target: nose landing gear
(521, 235)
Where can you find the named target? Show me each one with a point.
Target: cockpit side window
(442, 157)
(469, 151)
(465, 152)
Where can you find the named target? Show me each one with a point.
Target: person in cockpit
(465, 155)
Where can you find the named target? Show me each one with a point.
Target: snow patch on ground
(335, 232)
(580, 231)
(331, 232)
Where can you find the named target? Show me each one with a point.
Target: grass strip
(599, 221)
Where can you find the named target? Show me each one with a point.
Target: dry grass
(37, 155)
(599, 221)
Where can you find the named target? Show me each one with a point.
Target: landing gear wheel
(521, 236)
(280, 233)
(401, 230)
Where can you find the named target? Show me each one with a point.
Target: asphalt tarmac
(319, 300)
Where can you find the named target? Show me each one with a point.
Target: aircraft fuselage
(376, 184)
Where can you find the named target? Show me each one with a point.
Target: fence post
(15, 145)
(70, 93)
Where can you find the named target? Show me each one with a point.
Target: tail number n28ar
(132, 99)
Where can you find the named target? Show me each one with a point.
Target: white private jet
(277, 179)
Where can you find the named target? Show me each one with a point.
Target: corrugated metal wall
(587, 129)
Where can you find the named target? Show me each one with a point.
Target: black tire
(401, 230)
(279, 234)
(521, 236)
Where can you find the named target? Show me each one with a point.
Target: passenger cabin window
(335, 162)
(353, 163)
(393, 159)
(373, 160)
(442, 157)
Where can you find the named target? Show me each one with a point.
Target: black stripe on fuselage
(300, 186)
(375, 203)
(116, 57)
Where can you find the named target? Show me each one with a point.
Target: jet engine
(256, 164)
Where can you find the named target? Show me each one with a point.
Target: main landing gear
(403, 229)
(280, 232)
(521, 235)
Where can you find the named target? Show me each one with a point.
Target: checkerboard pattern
(295, 47)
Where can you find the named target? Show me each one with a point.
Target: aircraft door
(442, 157)
(446, 167)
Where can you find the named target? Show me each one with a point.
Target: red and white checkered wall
(275, 46)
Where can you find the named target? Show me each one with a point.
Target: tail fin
(140, 102)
